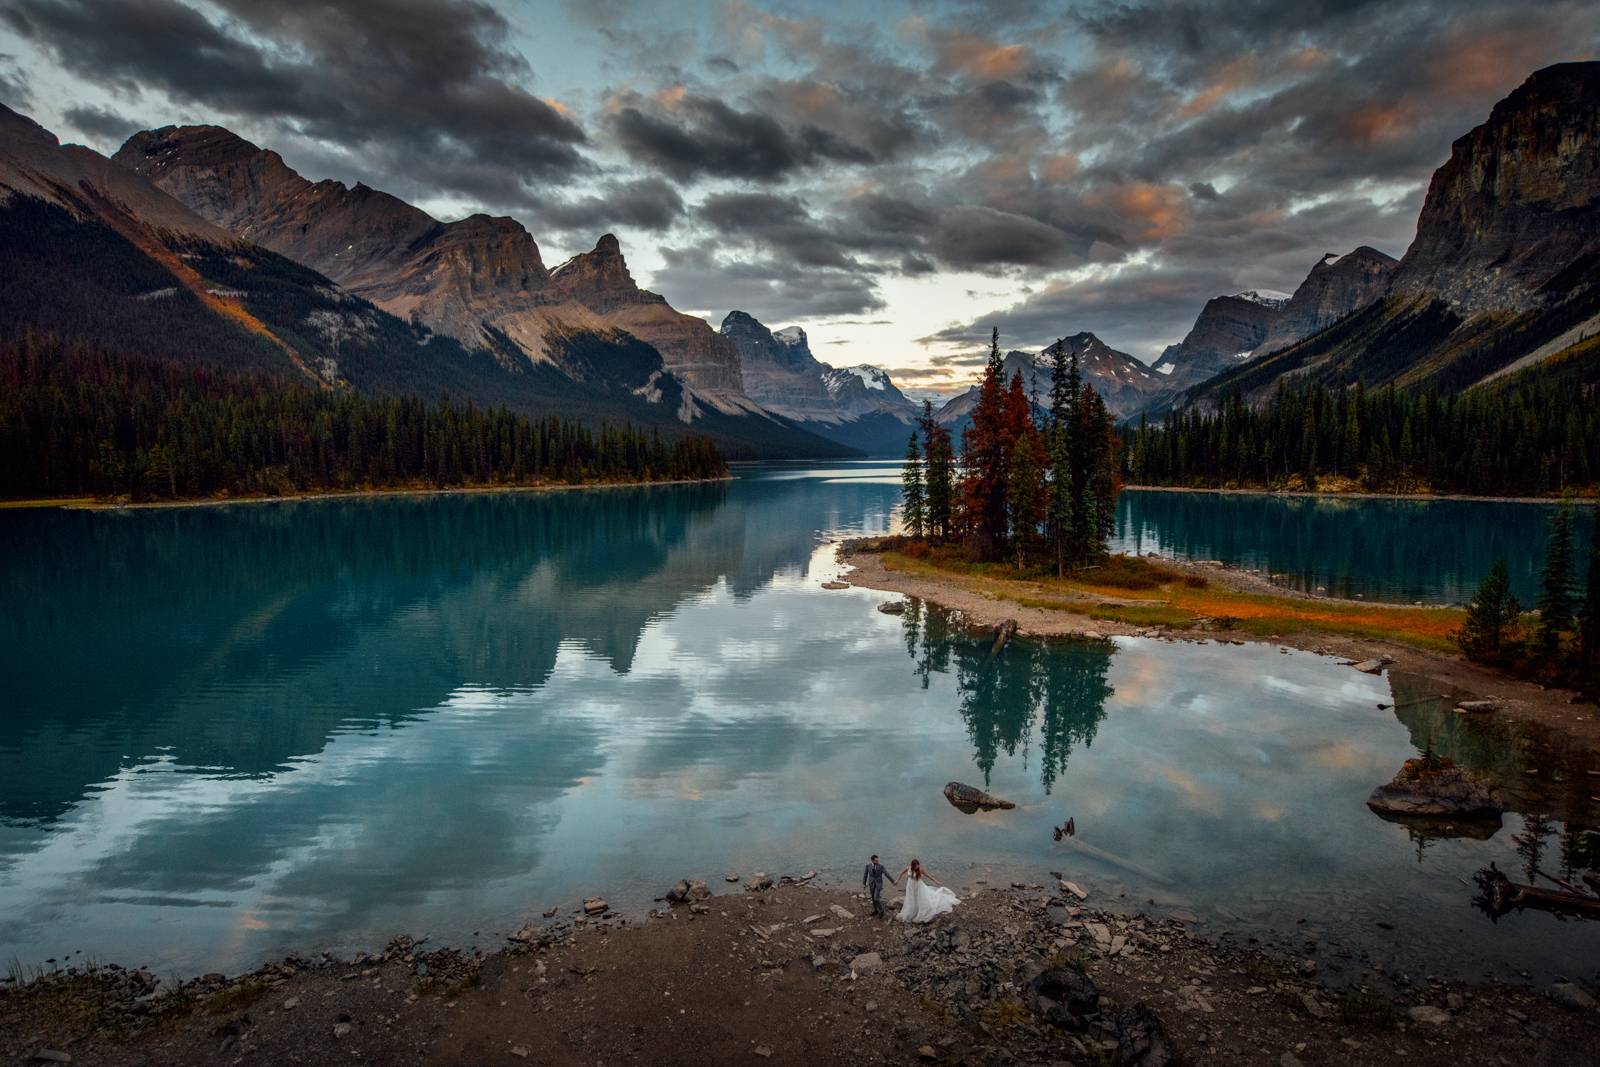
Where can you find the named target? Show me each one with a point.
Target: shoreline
(85, 503)
(1591, 501)
(1036, 972)
(1517, 699)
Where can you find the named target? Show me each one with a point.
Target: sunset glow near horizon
(895, 186)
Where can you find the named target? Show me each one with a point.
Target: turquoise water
(1435, 551)
(228, 733)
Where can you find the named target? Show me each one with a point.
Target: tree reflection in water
(1059, 684)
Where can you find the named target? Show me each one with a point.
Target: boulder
(595, 906)
(866, 962)
(686, 891)
(836, 585)
(1476, 707)
(1373, 666)
(970, 799)
(758, 882)
(1428, 1014)
(1142, 1040)
(1064, 996)
(1436, 788)
(893, 607)
(1572, 996)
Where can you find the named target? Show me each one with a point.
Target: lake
(1434, 551)
(228, 733)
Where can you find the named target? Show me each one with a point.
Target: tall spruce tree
(1062, 403)
(939, 477)
(1555, 595)
(1487, 632)
(915, 511)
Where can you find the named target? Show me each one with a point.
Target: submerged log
(970, 799)
(1504, 895)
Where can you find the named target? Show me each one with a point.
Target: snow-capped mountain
(859, 406)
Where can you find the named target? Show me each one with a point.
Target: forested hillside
(78, 420)
(1535, 433)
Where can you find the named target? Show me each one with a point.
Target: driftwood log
(1504, 895)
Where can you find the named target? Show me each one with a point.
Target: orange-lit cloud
(1155, 210)
(979, 57)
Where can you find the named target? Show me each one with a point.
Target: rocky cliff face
(481, 279)
(1336, 286)
(600, 281)
(462, 279)
(1517, 202)
(782, 374)
(1229, 329)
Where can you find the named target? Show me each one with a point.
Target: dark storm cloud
(646, 204)
(108, 128)
(425, 90)
(691, 136)
(773, 290)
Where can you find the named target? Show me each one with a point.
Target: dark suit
(872, 881)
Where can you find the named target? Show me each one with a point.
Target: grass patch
(1142, 592)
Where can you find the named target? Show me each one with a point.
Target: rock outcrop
(1229, 329)
(1436, 788)
(970, 798)
(1518, 202)
(600, 281)
(1336, 286)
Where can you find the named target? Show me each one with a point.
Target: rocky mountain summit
(1517, 205)
(1504, 273)
(480, 280)
(1336, 286)
(859, 405)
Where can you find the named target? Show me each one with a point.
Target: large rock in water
(1433, 789)
(969, 798)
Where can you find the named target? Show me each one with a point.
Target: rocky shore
(792, 973)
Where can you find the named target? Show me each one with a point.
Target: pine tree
(940, 475)
(1555, 597)
(916, 503)
(1062, 401)
(1486, 633)
(1025, 490)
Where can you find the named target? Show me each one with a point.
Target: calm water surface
(228, 733)
(1435, 551)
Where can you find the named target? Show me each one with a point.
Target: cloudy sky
(895, 181)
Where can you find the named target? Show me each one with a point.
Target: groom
(872, 881)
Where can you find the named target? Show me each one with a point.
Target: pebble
(341, 1029)
(843, 913)
(520, 1052)
(763, 1051)
(1427, 1013)
(291, 1004)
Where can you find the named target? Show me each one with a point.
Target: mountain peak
(608, 245)
(1517, 201)
(16, 126)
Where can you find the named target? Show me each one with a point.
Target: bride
(924, 902)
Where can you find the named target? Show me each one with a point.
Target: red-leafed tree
(983, 461)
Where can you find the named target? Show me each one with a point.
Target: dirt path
(799, 975)
(1454, 676)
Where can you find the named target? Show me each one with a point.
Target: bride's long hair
(916, 868)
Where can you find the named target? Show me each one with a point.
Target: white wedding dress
(925, 902)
